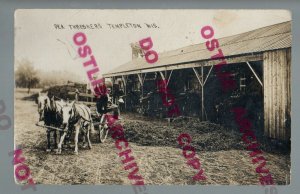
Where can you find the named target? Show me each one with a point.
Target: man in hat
(76, 95)
(101, 93)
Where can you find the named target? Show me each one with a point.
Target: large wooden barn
(259, 61)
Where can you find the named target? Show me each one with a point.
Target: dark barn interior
(258, 61)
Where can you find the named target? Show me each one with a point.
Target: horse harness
(77, 116)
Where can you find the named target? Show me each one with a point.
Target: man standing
(76, 95)
(100, 91)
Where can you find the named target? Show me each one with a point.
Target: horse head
(67, 112)
(43, 102)
(52, 104)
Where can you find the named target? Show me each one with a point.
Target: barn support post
(144, 78)
(112, 90)
(143, 83)
(140, 78)
(169, 77)
(208, 74)
(125, 92)
(162, 75)
(200, 79)
(140, 75)
(202, 94)
(258, 79)
(202, 83)
(163, 78)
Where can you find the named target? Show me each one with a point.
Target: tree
(26, 75)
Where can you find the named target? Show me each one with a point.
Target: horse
(57, 105)
(77, 116)
(49, 111)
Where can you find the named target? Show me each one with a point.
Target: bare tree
(26, 75)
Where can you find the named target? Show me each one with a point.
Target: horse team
(66, 116)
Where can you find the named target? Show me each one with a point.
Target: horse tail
(92, 128)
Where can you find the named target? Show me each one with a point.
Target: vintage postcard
(152, 97)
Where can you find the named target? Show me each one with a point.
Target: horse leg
(48, 141)
(66, 139)
(88, 138)
(60, 134)
(76, 139)
(84, 139)
(55, 140)
(60, 142)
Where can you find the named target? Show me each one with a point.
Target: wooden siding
(277, 94)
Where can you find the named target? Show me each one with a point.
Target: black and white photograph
(153, 97)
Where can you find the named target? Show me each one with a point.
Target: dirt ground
(153, 142)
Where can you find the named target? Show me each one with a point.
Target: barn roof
(272, 37)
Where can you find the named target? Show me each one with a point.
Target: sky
(50, 48)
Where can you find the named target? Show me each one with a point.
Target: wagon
(98, 120)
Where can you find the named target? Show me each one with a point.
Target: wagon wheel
(103, 132)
